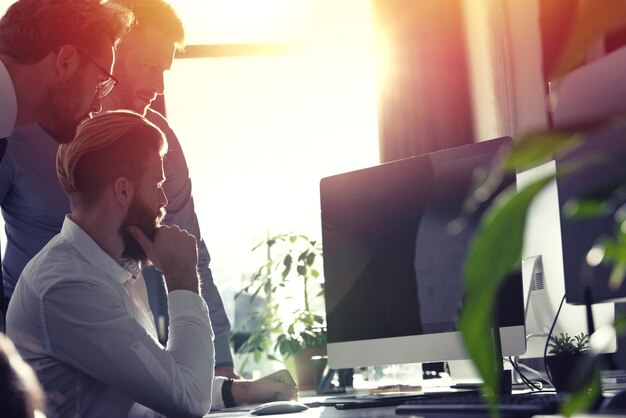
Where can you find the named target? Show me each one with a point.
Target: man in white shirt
(79, 314)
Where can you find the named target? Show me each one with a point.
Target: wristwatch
(227, 393)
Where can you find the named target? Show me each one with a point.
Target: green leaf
(287, 263)
(537, 148)
(493, 252)
(620, 324)
(618, 272)
(273, 357)
(585, 208)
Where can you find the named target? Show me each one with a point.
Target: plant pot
(569, 372)
(301, 363)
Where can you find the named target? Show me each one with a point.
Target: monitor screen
(393, 269)
(600, 174)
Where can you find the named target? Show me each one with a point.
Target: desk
(319, 412)
(370, 412)
(383, 412)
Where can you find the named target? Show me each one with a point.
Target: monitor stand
(506, 379)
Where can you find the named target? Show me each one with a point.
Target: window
(260, 131)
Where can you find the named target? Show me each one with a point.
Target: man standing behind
(34, 205)
(79, 314)
(56, 58)
(143, 56)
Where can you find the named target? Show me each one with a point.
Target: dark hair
(111, 145)
(157, 14)
(31, 29)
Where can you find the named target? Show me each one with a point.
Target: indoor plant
(566, 355)
(292, 323)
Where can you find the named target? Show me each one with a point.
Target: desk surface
(373, 412)
(319, 412)
(382, 412)
(370, 412)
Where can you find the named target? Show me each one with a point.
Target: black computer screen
(596, 170)
(392, 266)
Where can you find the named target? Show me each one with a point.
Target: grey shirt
(34, 206)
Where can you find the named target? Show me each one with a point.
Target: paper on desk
(395, 389)
(228, 414)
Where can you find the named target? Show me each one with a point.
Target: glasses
(104, 87)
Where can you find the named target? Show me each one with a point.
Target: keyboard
(517, 405)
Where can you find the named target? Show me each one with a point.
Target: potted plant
(566, 355)
(291, 326)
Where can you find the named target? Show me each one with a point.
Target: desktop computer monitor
(600, 176)
(563, 242)
(394, 271)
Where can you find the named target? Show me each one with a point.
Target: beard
(141, 216)
(129, 98)
(59, 110)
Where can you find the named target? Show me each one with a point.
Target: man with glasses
(55, 62)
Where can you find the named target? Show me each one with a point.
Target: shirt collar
(8, 102)
(131, 266)
(88, 248)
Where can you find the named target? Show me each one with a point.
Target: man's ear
(67, 62)
(124, 191)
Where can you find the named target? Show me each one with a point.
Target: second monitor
(393, 269)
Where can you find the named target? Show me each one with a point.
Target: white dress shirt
(8, 103)
(83, 323)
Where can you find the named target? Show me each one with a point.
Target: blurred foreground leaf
(537, 148)
(620, 324)
(494, 251)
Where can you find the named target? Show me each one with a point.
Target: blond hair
(112, 144)
(157, 14)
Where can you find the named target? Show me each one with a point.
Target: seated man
(79, 314)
